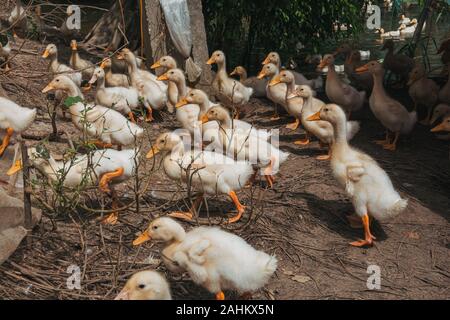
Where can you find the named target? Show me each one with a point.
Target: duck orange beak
(73, 45)
(120, 56)
(266, 61)
(204, 119)
(48, 88)
(233, 72)
(275, 81)
(362, 69)
(45, 54)
(156, 65)
(103, 65)
(15, 168)
(211, 61)
(153, 151)
(322, 64)
(163, 77)
(144, 237)
(438, 128)
(261, 75)
(314, 117)
(181, 103)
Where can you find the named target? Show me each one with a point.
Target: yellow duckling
(365, 182)
(215, 259)
(145, 285)
(208, 172)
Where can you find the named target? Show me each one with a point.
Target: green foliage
(70, 101)
(243, 25)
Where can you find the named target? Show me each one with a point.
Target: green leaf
(70, 101)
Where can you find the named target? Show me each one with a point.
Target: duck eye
(141, 286)
(155, 227)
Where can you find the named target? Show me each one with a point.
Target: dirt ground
(301, 220)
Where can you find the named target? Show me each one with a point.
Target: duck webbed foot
(294, 125)
(240, 208)
(368, 237)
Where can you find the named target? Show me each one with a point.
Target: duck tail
(29, 118)
(270, 267)
(398, 207)
(353, 128)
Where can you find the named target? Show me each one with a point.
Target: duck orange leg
(100, 144)
(149, 117)
(368, 237)
(303, 142)
(131, 116)
(106, 179)
(5, 142)
(392, 146)
(385, 141)
(113, 217)
(325, 156)
(240, 208)
(268, 173)
(220, 296)
(189, 214)
(294, 125)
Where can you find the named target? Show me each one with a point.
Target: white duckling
(14, 119)
(98, 122)
(238, 267)
(102, 167)
(294, 105)
(339, 92)
(228, 90)
(5, 52)
(322, 130)
(364, 54)
(55, 67)
(404, 19)
(388, 34)
(274, 58)
(77, 63)
(243, 145)
(145, 285)
(365, 182)
(208, 172)
(166, 63)
(391, 113)
(276, 93)
(404, 30)
(121, 99)
(114, 79)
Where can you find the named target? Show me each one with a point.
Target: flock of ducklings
(216, 259)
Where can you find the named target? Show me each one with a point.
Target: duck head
(284, 76)
(268, 70)
(374, 67)
(165, 142)
(145, 285)
(272, 57)
(195, 96)
(50, 51)
(218, 57)
(329, 112)
(443, 126)
(165, 62)
(327, 60)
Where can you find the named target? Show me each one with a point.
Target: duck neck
(243, 76)
(101, 82)
(331, 71)
(204, 106)
(378, 87)
(74, 91)
(75, 57)
(181, 86)
(290, 87)
(54, 64)
(178, 235)
(132, 65)
(222, 67)
(340, 133)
